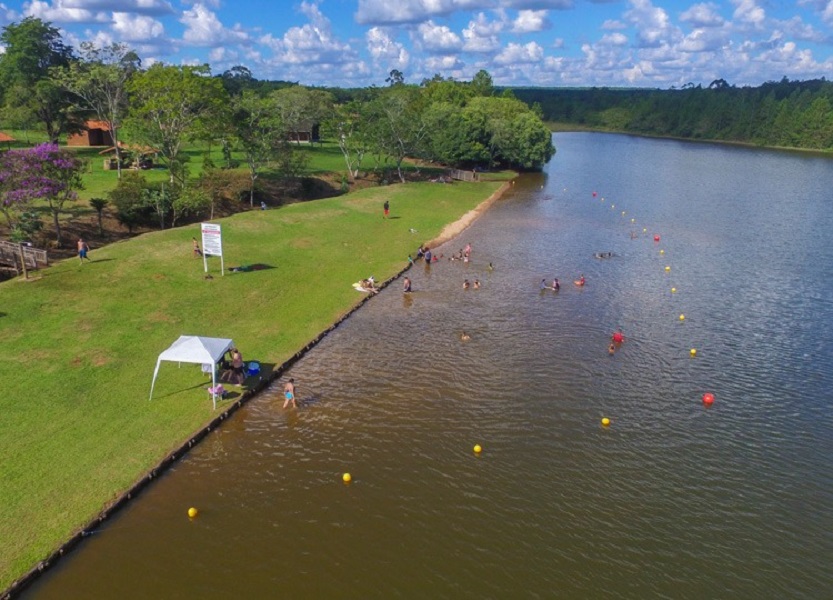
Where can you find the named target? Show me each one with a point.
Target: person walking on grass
(387, 208)
(83, 248)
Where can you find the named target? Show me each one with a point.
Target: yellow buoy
(193, 512)
(633, 220)
(673, 290)
(623, 213)
(667, 268)
(693, 351)
(612, 206)
(682, 317)
(477, 449)
(605, 421)
(662, 251)
(644, 230)
(346, 478)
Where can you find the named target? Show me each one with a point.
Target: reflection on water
(672, 500)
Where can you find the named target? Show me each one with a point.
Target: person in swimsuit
(611, 349)
(289, 393)
(406, 285)
(476, 284)
(555, 285)
(465, 337)
(83, 248)
(466, 284)
(237, 367)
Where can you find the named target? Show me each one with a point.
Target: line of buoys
(708, 398)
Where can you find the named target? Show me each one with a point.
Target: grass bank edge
(83, 431)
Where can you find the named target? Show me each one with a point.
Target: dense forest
(795, 114)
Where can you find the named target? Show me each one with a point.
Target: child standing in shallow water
(289, 393)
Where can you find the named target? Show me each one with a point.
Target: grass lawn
(77, 427)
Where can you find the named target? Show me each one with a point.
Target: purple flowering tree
(44, 172)
(11, 203)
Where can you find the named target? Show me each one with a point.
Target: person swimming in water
(555, 285)
(611, 349)
(465, 337)
(466, 284)
(543, 285)
(580, 281)
(406, 285)
(476, 284)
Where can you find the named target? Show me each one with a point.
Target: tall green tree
(167, 103)
(33, 47)
(99, 82)
(395, 124)
(300, 107)
(259, 130)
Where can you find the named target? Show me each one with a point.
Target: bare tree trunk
(23, 261)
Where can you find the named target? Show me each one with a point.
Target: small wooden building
(96, 133)
(305, 134)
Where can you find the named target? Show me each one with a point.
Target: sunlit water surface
(672, 500)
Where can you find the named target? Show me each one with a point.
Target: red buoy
(618, 337)
(708, 399)
(656, 238)
(594, 194)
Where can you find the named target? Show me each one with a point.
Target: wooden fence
(10, 256)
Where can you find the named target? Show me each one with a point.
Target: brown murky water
(672, 500)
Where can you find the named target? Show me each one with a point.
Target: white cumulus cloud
(59, 12)
(203, 28)
(702, 15)
(747, 11)
(136, 28)
(520, 53)
(385, 50)
(530, 21)
(437, 38)
(148, 7)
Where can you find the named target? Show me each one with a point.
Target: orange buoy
(708, 399)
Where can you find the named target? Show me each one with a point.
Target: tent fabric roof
(5, 137)
(197, 349)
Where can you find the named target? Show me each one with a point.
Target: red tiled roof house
(96, 133)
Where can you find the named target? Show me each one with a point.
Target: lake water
(673, 500)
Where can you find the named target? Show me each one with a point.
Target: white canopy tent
(195, 349)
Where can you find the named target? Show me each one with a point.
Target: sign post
(212, 245)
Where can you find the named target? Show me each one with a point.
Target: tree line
(794, 114)
(47, 85)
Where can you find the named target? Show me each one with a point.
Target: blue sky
(632, 43)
